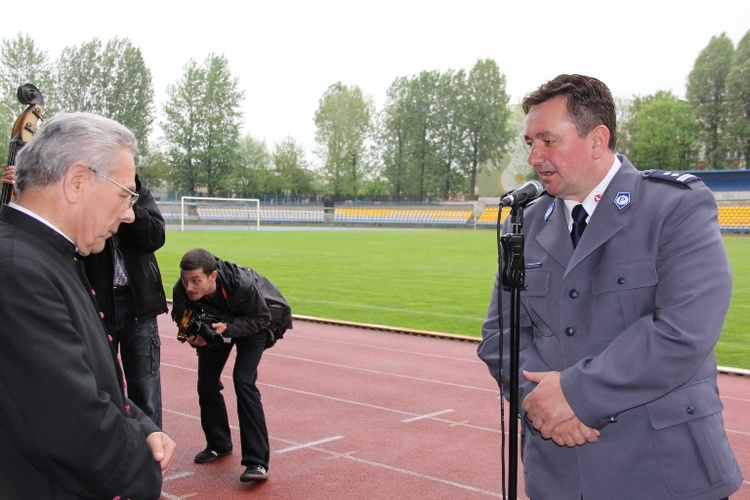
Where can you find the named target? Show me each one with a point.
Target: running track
(358, 413)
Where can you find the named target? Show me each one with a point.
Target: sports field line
(346, 456)
(388, 374)
(339, 400)
(383, 348)
(349, 305)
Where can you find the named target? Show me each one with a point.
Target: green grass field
(437, 280)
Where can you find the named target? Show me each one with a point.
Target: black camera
(200, 324)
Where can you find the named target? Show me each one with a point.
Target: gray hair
(68, 138)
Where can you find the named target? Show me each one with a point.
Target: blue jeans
(139, 347)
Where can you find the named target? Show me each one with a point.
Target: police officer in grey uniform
(622, 308)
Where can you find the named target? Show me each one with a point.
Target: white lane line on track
(473, 359)
(379, 372)
(349, 456)
(169, 496)
(419, 475)
(179, 475)
(428, 415)
(377, 407)
(413, 312)
(310, 444)
(340, 400)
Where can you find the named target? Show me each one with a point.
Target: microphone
(529, 191)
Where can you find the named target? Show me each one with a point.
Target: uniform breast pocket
(537, 283)
(535, 298)
(623, 292)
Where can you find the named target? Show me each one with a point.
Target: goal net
(206, 210)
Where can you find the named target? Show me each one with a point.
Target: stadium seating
(280, 216)
(489, 216)
(732, 218)
(408, 217)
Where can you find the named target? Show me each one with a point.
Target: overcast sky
(286, 53)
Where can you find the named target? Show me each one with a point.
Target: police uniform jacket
(630, 318)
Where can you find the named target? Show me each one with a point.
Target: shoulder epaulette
(670, 176)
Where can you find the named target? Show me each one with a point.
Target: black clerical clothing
(66, 430)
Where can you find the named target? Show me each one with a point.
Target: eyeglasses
(133, 195)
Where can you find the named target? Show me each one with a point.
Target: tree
(419, 116)
(252, 172)
(291, 179)
(21, 62)
(738, 95)
(111, 80)
(202, 125)
(487, 117)
(154, 169)
(344, 125)
(664, 134)
(707, 92)
(624, 120)
(392, 137)
(448, 177)
(222, 118)
(439, 129)
(183, 127)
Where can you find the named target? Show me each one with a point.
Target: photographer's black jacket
(138, 242)
(252, 303)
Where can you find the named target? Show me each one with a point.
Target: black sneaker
(254, 473)
(209, 455)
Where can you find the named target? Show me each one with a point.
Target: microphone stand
(513, 279)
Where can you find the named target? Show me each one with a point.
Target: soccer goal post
(207, 210)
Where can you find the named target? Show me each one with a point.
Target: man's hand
(219, 327)
(546, 406)
(549, 412)
(196, 341)
(572, 433)
(163, 449)
(9, 174)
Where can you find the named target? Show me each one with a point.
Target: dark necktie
(579, 224)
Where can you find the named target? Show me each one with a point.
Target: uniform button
(690, 410)
(573, 294)
(570, 331)
(620, 280)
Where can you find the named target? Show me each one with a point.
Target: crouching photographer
(218, 305)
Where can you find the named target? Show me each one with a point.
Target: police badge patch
(550, 209)
(622, 199)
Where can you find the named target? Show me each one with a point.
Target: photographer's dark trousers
(214, 420)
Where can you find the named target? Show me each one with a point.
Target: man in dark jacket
(66, 429)
(244, 309)
(130, 294)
